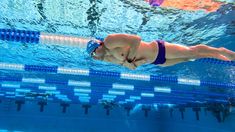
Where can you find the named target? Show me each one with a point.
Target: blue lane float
(20, 35)
(115, 75)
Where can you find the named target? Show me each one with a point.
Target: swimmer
(189, 5)
(129, 51)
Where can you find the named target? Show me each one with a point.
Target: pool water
(98, 18)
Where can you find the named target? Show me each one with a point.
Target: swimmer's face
(99, 52)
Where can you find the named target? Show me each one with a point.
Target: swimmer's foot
(204, 51)
(222, 57)
(227, 53)
(216, 56)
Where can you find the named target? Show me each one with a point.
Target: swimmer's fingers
(131, 57)
(132, 53)
(129, 65)
(140, 62)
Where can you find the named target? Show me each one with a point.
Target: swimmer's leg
(174, 51)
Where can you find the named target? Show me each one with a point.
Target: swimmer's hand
(135, 63)
(129, 65)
